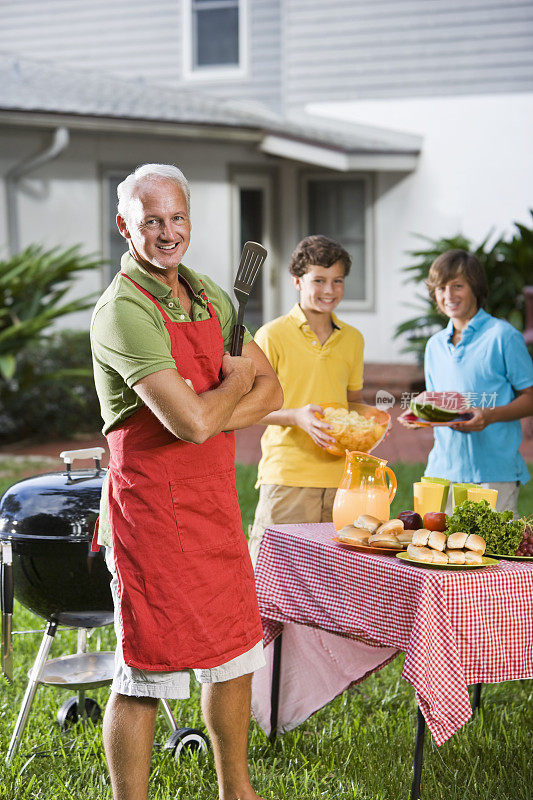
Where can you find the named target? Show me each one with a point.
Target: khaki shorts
(507, 499)
(170, 685)
(284, 504)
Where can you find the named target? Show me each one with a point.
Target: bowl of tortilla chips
(355, 426)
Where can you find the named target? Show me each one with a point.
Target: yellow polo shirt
(308, 373)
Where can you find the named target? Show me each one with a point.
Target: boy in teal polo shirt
(485, 359)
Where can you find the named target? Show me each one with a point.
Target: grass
(359, 747)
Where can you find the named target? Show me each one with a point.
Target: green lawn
(359, 747)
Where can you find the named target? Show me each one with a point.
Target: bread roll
(439, 558)
(473, 558)
(476, 543)
(384, 539)
(420, 553)
(437, 541)
(456, 556)
(406, 537)
(394, 526)
(368, 522)
(421, 537)
(456, 541)
(352, 535)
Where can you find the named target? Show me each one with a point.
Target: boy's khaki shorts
(284, 504)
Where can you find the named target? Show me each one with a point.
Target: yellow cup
(459, 492)
(477, 494)
(445, 483)
(428, 497)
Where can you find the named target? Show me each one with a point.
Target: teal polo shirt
(489, 365)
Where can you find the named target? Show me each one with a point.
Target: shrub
(53, 394)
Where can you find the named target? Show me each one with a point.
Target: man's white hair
(147, 172)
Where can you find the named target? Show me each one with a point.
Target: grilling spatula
(252, 259)
(6, 596)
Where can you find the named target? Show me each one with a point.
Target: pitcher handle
(393, 486)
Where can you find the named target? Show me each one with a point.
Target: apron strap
(150, 297)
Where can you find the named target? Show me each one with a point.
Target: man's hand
(307, 420)
(240, 369)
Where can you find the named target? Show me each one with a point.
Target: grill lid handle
(6, 598)
(69, 456)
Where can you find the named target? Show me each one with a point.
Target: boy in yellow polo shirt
(318, 360)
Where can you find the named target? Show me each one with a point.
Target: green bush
(53, 393)
(509, 267)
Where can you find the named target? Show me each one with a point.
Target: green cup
(460, 492)
(443, 482)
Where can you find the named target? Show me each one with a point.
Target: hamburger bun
(473, 558)
(394, 526)
(368, 522)
(456, 541)
(352, 535)
(439, 557)
(437, 541)
(421, 537)
(456, 556)
(405, 538)
(476, 543)
(420, 553)
(385, 539)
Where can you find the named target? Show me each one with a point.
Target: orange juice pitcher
(363, 489)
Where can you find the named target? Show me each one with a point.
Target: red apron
(186, 584)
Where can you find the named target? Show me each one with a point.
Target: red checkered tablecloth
(456, 627)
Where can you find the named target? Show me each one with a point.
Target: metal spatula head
(252, 259)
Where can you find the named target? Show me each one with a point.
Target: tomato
(435, 521)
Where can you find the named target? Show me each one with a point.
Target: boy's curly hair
(319, 251)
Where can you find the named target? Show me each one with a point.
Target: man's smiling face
(158, 223)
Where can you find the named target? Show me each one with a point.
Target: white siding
(406, 48)
(135, 38)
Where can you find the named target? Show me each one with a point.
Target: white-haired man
(171, 396)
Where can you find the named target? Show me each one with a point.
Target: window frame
(108, 173)
(221, 72)
(368, 179)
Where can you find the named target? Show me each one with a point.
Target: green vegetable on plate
(502, 533)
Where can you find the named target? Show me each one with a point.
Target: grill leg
(476, 698)
(274, 694)
(170, 716)
(35, 679)
(419, 754)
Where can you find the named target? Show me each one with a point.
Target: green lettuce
(501, 532)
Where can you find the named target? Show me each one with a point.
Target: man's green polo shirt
(129, 340)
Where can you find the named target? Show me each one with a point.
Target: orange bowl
(351, 437)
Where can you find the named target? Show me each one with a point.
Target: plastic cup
(460, 492)
(479, 493)
(428, 497)
(444, 482)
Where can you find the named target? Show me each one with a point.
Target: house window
(215, 36)
(340, 209)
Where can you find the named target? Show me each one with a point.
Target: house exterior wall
(405, 48)
(134, 39)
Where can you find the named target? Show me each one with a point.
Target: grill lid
(56, 505)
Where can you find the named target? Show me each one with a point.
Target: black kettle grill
(46, 529)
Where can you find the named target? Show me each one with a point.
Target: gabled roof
(44, 93)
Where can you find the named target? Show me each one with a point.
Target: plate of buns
(438, 551)
(370, 535)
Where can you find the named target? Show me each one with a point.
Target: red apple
(411, 520)
(435, 521)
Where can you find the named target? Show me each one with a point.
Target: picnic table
(345, 614)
